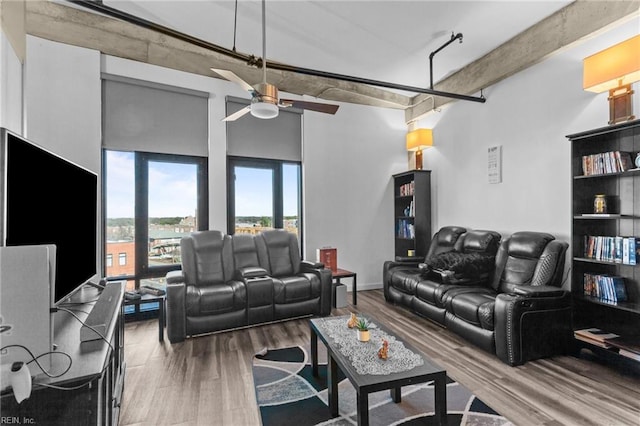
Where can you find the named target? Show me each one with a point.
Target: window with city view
(152, 201)
(266, 194)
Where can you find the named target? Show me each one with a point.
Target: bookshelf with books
(412, 213)
(605, 245)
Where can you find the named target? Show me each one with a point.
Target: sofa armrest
(387, 269)
(176, 311)
(305, 265)
(175, 277)
(326, 284)
(538, 291)
(242, 274)
(532, 326)
(407, 259)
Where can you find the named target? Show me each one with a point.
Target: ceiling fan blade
(312, 106)
(229, 75)
(237, 114)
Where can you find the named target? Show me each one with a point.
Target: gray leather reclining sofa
(234, 281)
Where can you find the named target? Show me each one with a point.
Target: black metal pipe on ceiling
(98, 6)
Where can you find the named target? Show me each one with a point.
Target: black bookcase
(621, 186)
(412, 213)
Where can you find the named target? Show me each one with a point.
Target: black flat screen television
(47, 199)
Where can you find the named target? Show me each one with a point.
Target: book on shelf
(405, 229)
(615, 249)
(629, 344)
(629, 354)
(604, 287)
(606, 162)
(595, 336)
(409, 210)
(407, 189)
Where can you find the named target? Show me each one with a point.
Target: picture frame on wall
(494, 164)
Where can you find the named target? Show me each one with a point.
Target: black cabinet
(598, 238)
(412, 213)
(90, 392)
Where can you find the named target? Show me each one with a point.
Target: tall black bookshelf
(621, 187)
(412, 213)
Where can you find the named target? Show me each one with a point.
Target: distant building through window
(122, 259)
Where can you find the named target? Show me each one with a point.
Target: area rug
(288, 394)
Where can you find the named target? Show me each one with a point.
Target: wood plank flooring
(207, 380)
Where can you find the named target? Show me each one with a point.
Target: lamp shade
(419, 139)
(613, 67)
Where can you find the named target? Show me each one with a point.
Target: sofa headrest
(206, 237)
(481, 241)
(528, 244)
(243, 243)
(448, 235)
(276, 237)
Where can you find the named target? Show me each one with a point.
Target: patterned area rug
(288, 394)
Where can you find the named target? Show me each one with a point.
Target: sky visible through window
(173, 189)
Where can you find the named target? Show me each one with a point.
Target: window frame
(278, 190)
(141, 209)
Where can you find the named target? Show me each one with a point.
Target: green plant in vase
(363, 329)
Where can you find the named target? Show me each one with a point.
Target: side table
(150, 298)
(343, 273)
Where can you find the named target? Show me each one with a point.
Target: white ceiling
(383, 40)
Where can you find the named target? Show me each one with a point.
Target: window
(151, 201)
(264, 194)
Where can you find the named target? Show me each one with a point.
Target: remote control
(145, 289)
(131, 295)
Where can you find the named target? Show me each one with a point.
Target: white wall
(348, 162)
(10, 87)
(529, 115)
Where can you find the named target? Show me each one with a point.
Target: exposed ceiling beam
(70, 25)
(569, 25)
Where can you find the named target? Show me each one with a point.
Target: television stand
(97, 371)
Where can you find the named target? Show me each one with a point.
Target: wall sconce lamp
(614, 69)
(417, 140)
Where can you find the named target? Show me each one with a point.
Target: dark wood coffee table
(368, 383)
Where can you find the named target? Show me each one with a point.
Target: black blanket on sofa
(458, 266)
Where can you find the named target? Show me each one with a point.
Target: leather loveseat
(234, 281)
(516, 310)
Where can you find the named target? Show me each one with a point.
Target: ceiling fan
(264, 97)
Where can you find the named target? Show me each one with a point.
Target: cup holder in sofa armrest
(538, 291)
(251, 272)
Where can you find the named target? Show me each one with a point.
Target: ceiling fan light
(264, 110)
